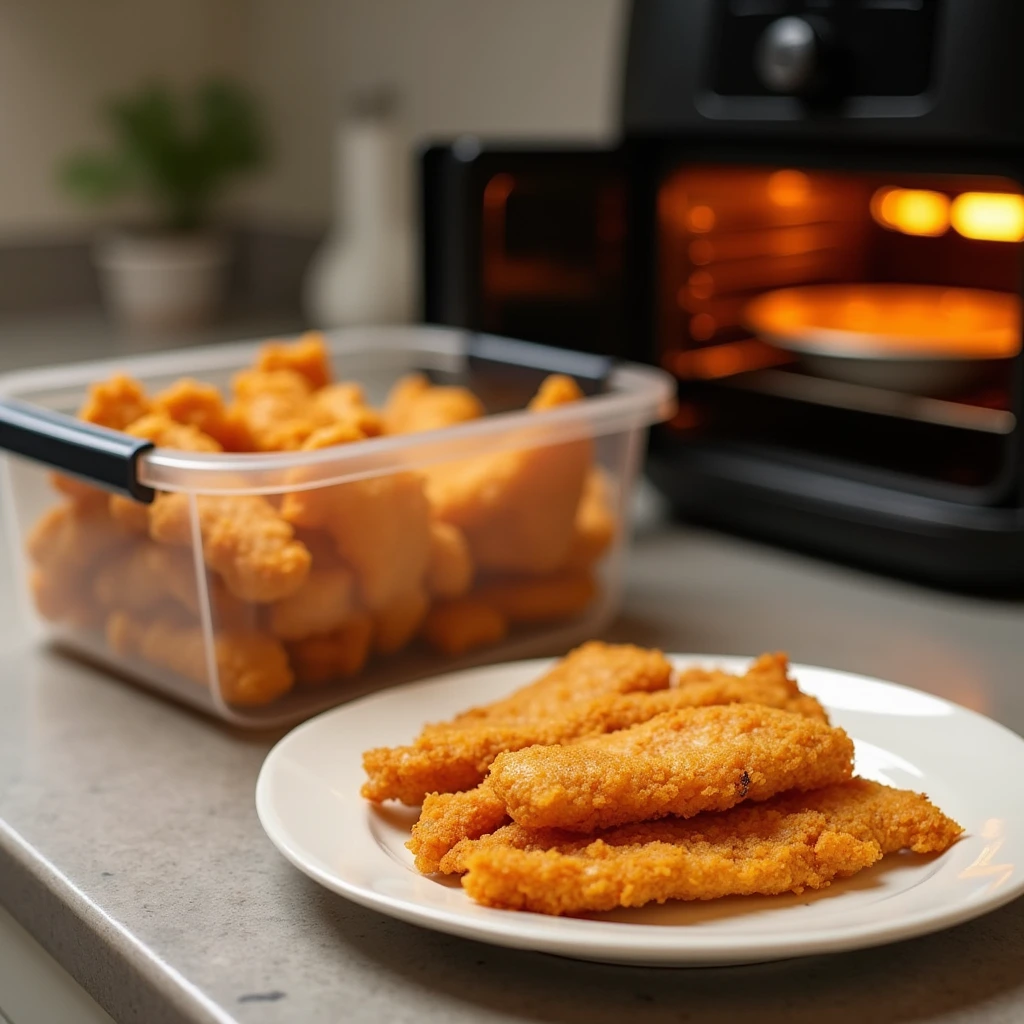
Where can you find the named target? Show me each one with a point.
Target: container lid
(633, 397)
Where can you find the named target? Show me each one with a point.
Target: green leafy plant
(177, 151)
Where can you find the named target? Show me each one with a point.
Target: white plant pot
(162, 282)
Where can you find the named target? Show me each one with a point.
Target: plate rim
(660, 944)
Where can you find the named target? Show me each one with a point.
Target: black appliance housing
(758, 140)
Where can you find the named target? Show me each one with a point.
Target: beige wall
(60, 58)
(501, 67)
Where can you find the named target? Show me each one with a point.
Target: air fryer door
(527, 243)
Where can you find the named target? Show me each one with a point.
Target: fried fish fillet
(455, 755)
(306, 355)
(414, 404)
(791, 843)
(244, 540)
(517, 509)
(447, 818)
(252, 668)
(681, 762)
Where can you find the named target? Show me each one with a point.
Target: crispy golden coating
(791, 843)
(135, 579)
(274, 406)
(201, 406)
(346, 403)
(307, 356)
(544, 599)
(414, 404)
(115, 403)
(61, 594)
(462, 624)
(331, 656)
(450, 569)
(517, 509)
(397, 622)
(148, 576)
(455, 755)
(164, 432)
(448, 819)
(595, 525)
(766, 682)
(322, 604)
(74, 538)
(531, 520)
(380, 526)
(252, 668)
(244, 540)
(681, 762)
(554, 391)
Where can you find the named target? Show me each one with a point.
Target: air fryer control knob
(788, 57)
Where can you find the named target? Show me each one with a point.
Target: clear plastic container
(258, 586)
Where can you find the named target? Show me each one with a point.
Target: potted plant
(177, 153)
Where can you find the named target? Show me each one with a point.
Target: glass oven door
(866, 323)
(527, 242)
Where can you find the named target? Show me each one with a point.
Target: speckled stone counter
(129, 844)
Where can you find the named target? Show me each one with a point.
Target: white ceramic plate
(308, 801)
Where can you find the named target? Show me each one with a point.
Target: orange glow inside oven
(811, 241)
(989, 216)
(914, 211)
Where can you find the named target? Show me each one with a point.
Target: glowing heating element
(986, 216)
(989, 216)
(912, 211)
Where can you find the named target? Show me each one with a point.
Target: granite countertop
(130, 847)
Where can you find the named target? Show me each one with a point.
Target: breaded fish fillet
(791, 843)
(681, 762)
(244, 540)
(447, 818)
(455, 755)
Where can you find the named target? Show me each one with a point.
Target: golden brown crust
(346, 403)
(449, 818)
(380, 527)
(201, 406)
(306, 356)
(252, 668)
(115, 403)
(322, 604)
(766, 682)
(681, 762)
(517, 509)
(397, 623)
(787, 844)
(455, 755)
(331, 656)
(244, 540)
(450, 568)
(595, 525)
(414, 405)
(463, 624)
(545, 599)
(74, 538)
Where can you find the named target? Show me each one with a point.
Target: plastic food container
(263, 587)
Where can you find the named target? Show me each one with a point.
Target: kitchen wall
(498, 67)
(60, 58)
(525, 67)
